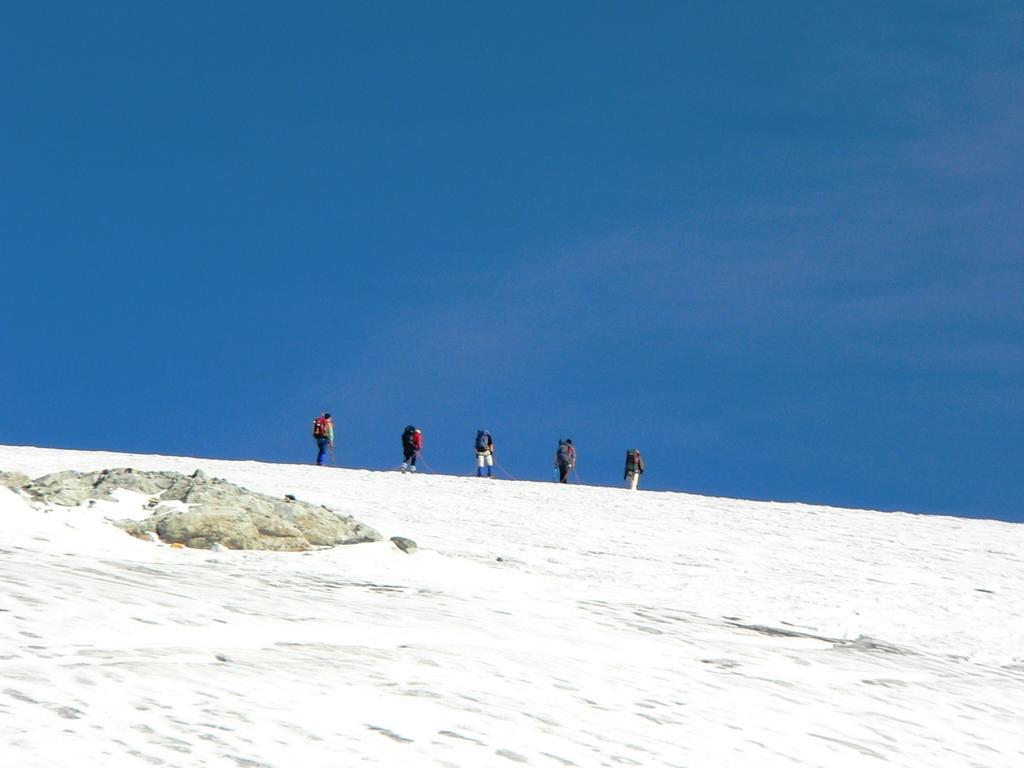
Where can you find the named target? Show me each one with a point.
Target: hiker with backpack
(484, 453)
(412, 444)
(565, 459)
(323, 433)
(634, 468)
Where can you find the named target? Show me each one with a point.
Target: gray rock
(237, 518)
(14, 479)
(219, 513)
(230, 528)
(70, 488)
(406, 545)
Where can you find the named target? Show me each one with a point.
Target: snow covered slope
(538, 625)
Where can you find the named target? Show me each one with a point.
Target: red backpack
(321, 428)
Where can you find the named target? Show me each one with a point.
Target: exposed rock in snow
(13, 479)
(215, 511)
(69, 488)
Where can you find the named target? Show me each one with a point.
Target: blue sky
(777, 249)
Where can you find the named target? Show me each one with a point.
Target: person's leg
(479, 464)
(634, 480)
(321, 447)
(490, 465)
(563, 473)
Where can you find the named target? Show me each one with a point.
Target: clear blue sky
(779, 249)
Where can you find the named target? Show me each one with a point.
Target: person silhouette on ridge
(484, 453)
(323, 433)
(634, 468)
(412, 444)
(565, 459)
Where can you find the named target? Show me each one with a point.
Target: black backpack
(564, 453)
(482, 443)
(632, 460)
(407, 437)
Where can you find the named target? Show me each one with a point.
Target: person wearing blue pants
(323, 433)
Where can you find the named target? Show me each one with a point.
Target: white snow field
(537, 625)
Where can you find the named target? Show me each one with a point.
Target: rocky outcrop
(212, 512)
(13, 480)
(69, 488)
